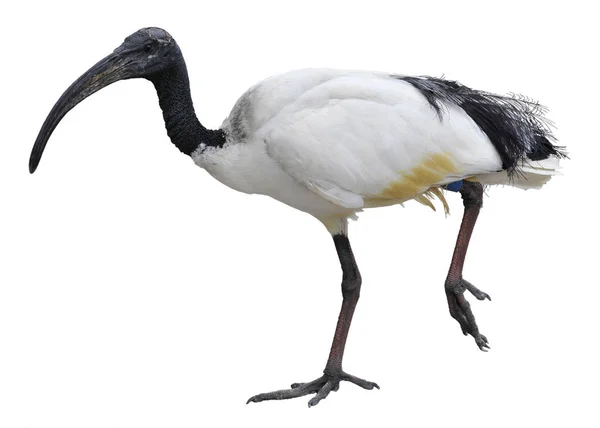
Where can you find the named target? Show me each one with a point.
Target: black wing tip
(544, 149)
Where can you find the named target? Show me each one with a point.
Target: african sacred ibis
(331, 143)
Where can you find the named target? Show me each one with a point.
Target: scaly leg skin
(333, 373)
(455, 286)
(321, 387)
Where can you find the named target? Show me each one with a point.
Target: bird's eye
(148, 48)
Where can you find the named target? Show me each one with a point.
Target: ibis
(332, 143)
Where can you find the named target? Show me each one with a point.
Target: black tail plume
(515, 125)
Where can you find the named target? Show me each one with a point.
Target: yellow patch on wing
(417, 183)
(430, 171)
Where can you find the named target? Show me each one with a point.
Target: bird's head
(146, 53)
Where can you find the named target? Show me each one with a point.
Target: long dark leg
(351, 283)
(472, 195)
(333, 373)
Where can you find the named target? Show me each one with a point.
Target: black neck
(183, 127)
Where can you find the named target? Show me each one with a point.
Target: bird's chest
(248, 168)
(245, 167)
(234, 165)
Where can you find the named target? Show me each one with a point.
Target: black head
(146, 53)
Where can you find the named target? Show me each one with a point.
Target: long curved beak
(108, 70)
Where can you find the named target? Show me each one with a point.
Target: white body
(332, 142)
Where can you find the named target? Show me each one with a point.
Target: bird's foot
(321, 387)
(461, 310)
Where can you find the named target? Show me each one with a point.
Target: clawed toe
(460, 309)
(365, 384)
(479, 295)
(321, 387)
(482, 342)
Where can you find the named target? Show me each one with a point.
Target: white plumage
(331, 143)
(353, 140)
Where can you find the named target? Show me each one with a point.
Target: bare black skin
(152, 54)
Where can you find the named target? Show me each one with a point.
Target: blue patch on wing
(455, 186)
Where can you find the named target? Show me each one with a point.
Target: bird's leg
(455, 286)
(333, 373)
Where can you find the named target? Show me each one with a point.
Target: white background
(136, 291)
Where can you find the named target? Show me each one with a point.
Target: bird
(332, 143)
